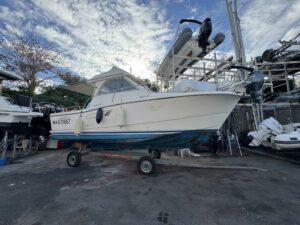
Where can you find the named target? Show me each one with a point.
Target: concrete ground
(42, 190)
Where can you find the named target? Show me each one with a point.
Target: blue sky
(93, 35)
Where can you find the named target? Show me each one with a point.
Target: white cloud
(264, 23)
(194, 9)
(94, 35)
(54, 35)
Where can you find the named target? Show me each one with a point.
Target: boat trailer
(146, 163)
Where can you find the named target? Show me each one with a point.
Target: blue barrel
(2, 162)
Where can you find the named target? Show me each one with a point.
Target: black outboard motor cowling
(256, 83)
(204, 33)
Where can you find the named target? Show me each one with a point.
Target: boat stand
(28, 146)
(4, 146)
(232, 127)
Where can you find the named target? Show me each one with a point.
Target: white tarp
(184, 85)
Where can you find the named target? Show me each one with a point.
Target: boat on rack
(23, 115)
(189, 48)
(123, 113)
(14, 117)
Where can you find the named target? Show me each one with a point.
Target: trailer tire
(146, 165)
(74, 159)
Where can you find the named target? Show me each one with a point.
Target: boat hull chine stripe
(137, 139)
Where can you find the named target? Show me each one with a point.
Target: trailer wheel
(155, 153)
(74, 159)
(146, 165)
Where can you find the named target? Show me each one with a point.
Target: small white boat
(280, 137)
(14, 117)
(289, 140)
(124, 113)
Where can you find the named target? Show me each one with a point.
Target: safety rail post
(271, 81)
(286, 78)
(173, 68)
(216, 68)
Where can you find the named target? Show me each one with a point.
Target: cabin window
(115, 85)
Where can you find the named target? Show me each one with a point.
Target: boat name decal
(62, 121)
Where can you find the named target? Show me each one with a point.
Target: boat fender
(99, 115)
(78, 126)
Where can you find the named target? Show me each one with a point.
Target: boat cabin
(110, 87)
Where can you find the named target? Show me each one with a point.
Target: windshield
(116, 85)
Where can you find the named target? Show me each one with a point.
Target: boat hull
(23, 123)
(9, 117)
(287, 141)
(170, 121)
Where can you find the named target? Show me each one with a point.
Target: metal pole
(30, 145)
(229, 142)
(14, 147)
(258, 112)
(239, 34)
(238, 143)
(271, 81)
(233, 29)
(261, 111)
(5, 145)
(275, 112)
(291, 113)
(286, 78)
(228, 135)
(173, 68)
(216, 68)
(294, 82)
(254, 115)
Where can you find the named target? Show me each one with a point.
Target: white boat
(280, 137)
(14, 117)
(124, 113)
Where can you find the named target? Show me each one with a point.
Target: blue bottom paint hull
(121, 140)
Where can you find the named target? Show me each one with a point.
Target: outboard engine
(256, 80)
(204, 33)
(267, 128)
